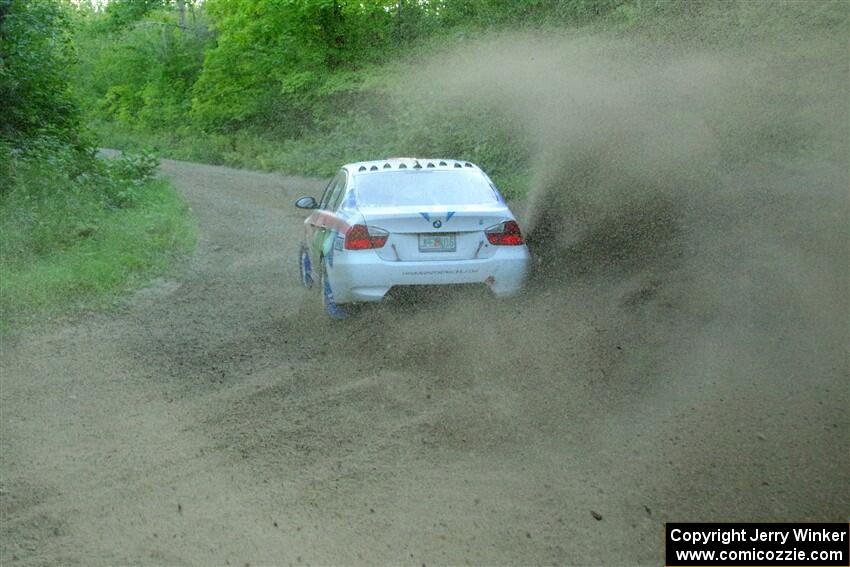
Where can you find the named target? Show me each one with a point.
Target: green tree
(140, 73)
(121, 13)
(276, 60)
(36, 59)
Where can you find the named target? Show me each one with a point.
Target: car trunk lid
(435, 233)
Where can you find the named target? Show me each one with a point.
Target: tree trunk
(181, 13)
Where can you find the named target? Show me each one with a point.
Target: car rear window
(423, 187)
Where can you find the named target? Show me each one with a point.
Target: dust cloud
(686, 331)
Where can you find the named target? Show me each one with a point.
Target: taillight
(505, 234)
(362, 237)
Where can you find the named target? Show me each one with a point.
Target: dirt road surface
(216, 418)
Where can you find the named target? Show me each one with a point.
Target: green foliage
(140, 74)
(73, 227)
(283, 71)
(276, 62)
(123, 13)
(35, 64)
(303, 85)
(289, 65)
(77, 246)
(71, 224)
(47, 177)
(516, 13)
(69, 237)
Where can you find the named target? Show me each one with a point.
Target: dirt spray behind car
(688, 207)
(650, 129)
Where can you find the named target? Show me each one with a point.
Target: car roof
(407, 163)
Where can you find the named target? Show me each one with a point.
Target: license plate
(437, 243)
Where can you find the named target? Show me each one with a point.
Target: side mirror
(307, 203)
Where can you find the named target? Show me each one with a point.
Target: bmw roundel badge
(437, 224)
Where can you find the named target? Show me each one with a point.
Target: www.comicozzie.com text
(781, 536)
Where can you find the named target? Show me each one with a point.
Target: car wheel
(305, 268)
(333, 310)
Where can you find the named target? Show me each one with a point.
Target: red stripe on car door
(324, 219)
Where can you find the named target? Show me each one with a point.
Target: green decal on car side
(328, 242)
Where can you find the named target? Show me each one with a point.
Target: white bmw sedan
(409, 222)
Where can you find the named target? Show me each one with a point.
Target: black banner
(744, 544)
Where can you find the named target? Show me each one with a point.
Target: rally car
(388, 224)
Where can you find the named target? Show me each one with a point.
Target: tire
(305, 268)
(334, 310)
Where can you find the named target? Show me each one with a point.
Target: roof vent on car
(362, 168)
(387, 166)
(443, 163)
(430, 164)
(467, 164)
(458, 165)
(402, 166)
(373, 168)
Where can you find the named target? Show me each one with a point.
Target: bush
(36, 58)
(68, 234)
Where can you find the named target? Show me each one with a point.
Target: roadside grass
(64, 248)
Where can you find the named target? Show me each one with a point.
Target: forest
(299, 85)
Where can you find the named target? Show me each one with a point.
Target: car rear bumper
(362, 276)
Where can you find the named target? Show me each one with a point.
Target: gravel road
(217, 418)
